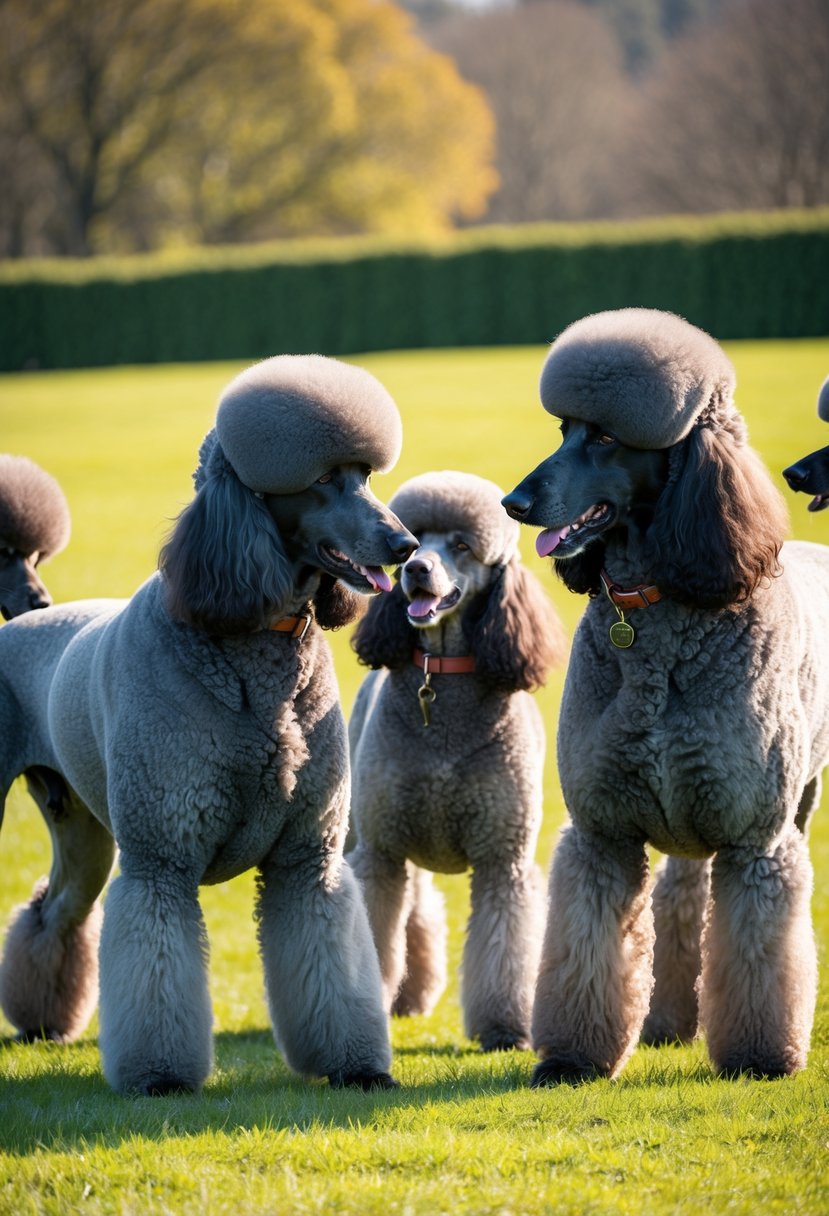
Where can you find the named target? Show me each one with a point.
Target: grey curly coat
(706, 737)
(466, 790)
(198, 726)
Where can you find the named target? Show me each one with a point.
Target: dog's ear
(224, 566)
(513, 631)
(719, 523)
(384, 637)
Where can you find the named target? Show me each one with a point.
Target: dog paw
(501, 1039)
(569, 1070)
(362, 1080)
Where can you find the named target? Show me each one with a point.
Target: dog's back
(31, 649)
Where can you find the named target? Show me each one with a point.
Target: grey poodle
(198, 726)
(34, 526)
(447, 756)
(810, 474)
(700, 725)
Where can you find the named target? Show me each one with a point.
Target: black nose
(418, 565)
(795, 475)
(36, 600)
(517, 504)
(402, 545)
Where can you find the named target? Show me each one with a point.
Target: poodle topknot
(286, 421)
(823, 401)
(441, 502)
(641, 374)
(34, 516)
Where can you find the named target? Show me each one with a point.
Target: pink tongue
(550, 539)
(423, 604)
(378, 578)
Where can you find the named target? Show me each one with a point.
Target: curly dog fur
(810, 474)
(705, 738)
(34, 526)
(198, 726)
(466, 791)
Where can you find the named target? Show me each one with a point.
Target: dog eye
(462, 545)
(605, 440)
(324, 480)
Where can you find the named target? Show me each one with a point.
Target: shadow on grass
(64, 1102)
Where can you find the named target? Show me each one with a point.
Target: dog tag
(425, 695)
(622, 634)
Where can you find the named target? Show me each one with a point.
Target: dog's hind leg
(156, 1020)
(49, 969)
(809, 801)
(759, 971)
(321, 972)
(425, 977)
(680, 897)
(595, 977)
(501, 951)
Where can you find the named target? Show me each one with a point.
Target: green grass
(464, 1134)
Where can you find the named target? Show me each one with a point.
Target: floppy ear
(336, 605)
(224, 566)
(384, 637)
(514, 632)
(719, 523)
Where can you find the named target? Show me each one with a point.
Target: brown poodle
(447, 754)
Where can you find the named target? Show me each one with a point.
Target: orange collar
(641, 596)
(297, 626)
(433, 664)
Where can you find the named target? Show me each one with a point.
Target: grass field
(463, 1134)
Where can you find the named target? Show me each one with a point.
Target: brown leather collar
(296, 626)
(433, 664)
(630, 597)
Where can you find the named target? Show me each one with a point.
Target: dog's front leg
(759, 971)
(500, 956)
(155, 1015)
(321, 970)
(595, 978)
(388, 898)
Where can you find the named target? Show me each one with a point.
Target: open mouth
(566, 540)
(361, 578)
(424, 609)
(819, 502)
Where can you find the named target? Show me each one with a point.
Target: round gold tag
(621, 634)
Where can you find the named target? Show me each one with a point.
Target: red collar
(433, 664)
(297, 626)
(641, 596)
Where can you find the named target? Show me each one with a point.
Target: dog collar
(296, 626)
(433, 664)
(641, 596)
(622, 634)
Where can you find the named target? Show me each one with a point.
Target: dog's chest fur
(650, 738)
(449, 795)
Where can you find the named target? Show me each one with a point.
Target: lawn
(464, 1133)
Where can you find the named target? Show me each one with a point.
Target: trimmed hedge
(738, 276)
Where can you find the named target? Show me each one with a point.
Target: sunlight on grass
(464, 1133)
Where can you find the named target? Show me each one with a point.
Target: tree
(553, 75)
(736, 114)
(136, 123)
